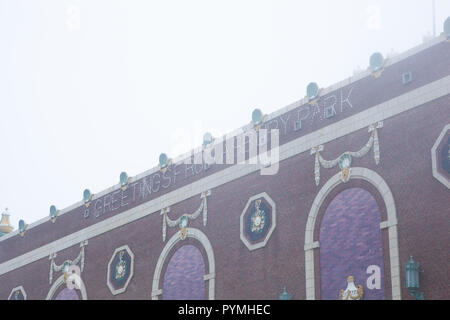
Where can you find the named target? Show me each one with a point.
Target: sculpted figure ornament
(351, 292)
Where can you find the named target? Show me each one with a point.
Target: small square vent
(329, 112)
(407, 77)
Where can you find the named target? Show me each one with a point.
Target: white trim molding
(438, 175)
(373, 178)
(111, 287)
(253, 246)
(59, 282)
(210, 274)
(21, 289)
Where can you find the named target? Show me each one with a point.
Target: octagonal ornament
(258, 220)
(120, 270)
(440, 157)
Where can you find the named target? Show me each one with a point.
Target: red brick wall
(421, 201)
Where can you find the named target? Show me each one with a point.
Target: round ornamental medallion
(345, 161)
(183, 223)
(65, 267)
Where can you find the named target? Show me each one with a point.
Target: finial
(5, 224)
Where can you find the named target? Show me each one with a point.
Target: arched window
(67, 294)
(351, 245)
(183, 279)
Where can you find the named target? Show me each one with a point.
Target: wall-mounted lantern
(376, 63)
(22, 227)
(207, 139)
(124, 179)
(285, 295)
(87, 197)
(412, 279)
(164, 162)
(53, 213)
(258, 118)
(312, 92)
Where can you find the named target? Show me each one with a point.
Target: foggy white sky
(92, 88)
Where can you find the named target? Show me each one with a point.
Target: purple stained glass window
(183, 279)
(350, 242)
(67, 294)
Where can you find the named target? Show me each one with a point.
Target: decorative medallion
(121, 267)
(351, 292)
(258, 221)
(17, 293)
(345, 160)
(440, 157)
(183, 221)
(258, 218)
(65, 269)
(120, 270)
(183, 224)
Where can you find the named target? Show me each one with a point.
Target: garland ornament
(345, 160)
(64, 267)
(183, 221)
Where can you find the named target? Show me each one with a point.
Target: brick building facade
(362, 185)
